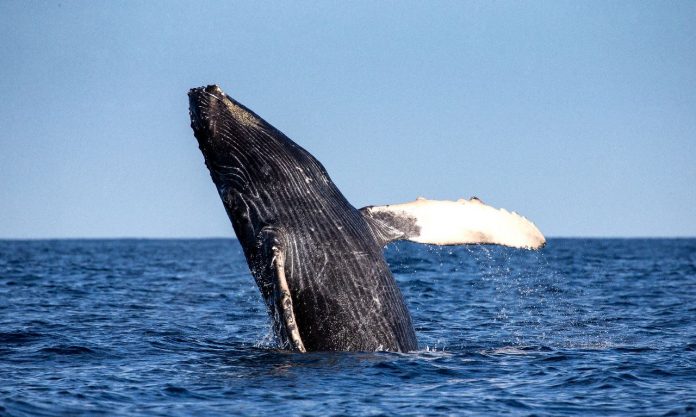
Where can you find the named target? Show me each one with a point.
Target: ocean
(584, 327)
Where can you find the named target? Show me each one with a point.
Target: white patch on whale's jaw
(462, 222)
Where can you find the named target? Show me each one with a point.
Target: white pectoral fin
(453, 223)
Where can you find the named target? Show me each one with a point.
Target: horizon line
(235, 238)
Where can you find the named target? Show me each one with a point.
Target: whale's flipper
(284, 301)
(270, 259)
(452, 223)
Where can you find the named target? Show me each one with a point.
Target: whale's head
(257, 170)
(228, 134)
(231, 138)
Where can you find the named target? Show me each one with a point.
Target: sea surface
(586, 327)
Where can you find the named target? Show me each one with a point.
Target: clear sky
(579, 115)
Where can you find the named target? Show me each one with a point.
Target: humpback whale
(317, 260)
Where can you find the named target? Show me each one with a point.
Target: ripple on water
(19, 337)
(67, 350)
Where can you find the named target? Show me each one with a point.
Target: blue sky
(579, 115)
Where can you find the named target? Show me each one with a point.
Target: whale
(317, 260)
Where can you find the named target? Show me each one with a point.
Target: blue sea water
(177, 327)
